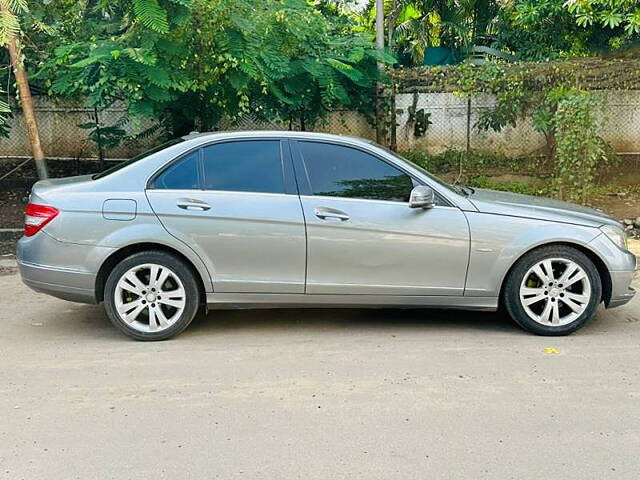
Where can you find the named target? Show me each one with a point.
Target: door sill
(298, 300)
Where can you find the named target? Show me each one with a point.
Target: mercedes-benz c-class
(281, 219)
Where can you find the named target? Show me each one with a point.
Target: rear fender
(156, 233)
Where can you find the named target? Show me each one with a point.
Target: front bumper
(621, 290)
(621, 265)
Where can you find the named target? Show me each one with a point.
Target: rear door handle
(192, 204)
(325, 212)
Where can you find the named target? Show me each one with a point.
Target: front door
(235, 203)
(362, 236)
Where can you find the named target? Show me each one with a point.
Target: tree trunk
(393, 114)
(550, 146)
(27, 108)
(380, 116)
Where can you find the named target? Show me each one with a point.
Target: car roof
(275, 133)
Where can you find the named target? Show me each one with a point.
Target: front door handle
(192, 204)
(324, 213)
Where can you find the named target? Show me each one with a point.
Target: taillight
(36, 217)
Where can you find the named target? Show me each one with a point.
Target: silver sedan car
(282, 219)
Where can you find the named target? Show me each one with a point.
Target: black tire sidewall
(514, 279)
(184, 273)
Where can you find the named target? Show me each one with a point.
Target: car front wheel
(151, 296)
(553, 290)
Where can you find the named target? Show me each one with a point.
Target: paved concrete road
(314, 395)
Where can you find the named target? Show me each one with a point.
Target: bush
(579, 150)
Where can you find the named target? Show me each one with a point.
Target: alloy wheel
(150, 297)
(555, 292)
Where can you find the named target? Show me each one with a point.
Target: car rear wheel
(553, 290)
(151, 296)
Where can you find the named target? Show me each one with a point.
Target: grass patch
(470, 163)
(530, 187)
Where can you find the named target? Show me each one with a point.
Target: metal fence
(430, 122)
(436, 122)
(65, 134)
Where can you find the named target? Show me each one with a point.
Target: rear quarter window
(183, 174)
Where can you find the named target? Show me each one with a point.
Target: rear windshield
(126, 163)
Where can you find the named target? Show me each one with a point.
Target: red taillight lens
(36, 217)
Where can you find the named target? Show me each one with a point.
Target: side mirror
(422, 197)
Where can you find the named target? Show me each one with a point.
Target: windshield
(126, 163)
(453, 188)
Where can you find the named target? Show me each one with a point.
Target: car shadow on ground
(348, 318)
(91, 321)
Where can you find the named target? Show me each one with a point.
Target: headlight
(616, 234)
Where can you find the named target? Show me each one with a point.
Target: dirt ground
(620, 206)
(12, 205)
(314, 394)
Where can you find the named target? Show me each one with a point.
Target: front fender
(498, 241)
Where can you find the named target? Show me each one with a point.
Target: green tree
(415, 25)
(608, 13)
(189, 63)
(548, 29)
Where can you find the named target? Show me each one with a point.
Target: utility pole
(380, 25)
(380, 130)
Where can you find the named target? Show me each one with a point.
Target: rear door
(235, 203)
(362, 236)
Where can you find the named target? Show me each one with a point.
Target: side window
(182, 175)
(338, 171)
(244, 166)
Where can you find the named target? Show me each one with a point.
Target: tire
(552, 305)
(146, 309)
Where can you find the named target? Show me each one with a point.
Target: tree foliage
(608, 13)
(5, 111)
(415, 25)
(191, 62)
(10, 20)
(550, 29)
(528, 29)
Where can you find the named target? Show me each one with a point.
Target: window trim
(303, 177)
(287, 171)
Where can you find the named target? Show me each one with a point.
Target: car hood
(505, 203)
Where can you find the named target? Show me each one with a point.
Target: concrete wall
(61, 136)
(619, 125)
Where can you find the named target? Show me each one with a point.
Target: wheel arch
(603, 271)
(112, 260)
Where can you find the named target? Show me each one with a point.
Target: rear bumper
(62, 283)
(64, 270)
